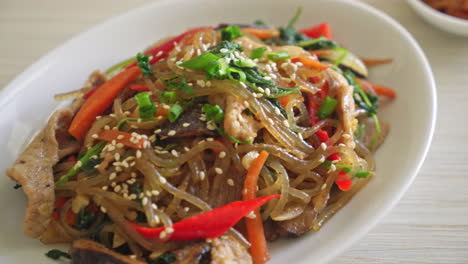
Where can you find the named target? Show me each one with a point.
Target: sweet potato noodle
(192, 164)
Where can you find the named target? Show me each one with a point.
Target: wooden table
(430, 223)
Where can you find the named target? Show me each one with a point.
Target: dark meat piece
(89, 252)
(33, 170)
(301, 224)
(190, 116)
(192, 254)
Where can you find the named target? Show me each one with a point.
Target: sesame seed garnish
(186, 124)
(332, 167)
(120, 136)
(230, 182)
(157, 131)
(171, 133)
(162, 180)
(117, 188)
(251, 215)
(103, 209)
(141, 195)
(246, 104)
(267, 91)
(138, 154)
(270, 121)
(106, 127)
(148, 193)
(112, 176)
(299, 64)
(201, 83)
(323, 186)
(186, 149)
(224, 50)
(286, 123)
(133, 196)
(159, 53)
(162, 235)
(98, 117)
(132, 256)
(261, 89)
(202, 175)
(300, 136)
(165, 106)
(133, 174)
(175, 153)
(218, 171)
(293, 76)
(208, 83)
(210, 139)
(243, 84)
(117, 156)
(169, 230)
(266, 78)
(155, 192)
(144, 201)
(277, 111)
(186, 209)
(345, 135)
(104, 188)
(322, 159)
(94, 136)
(222, 154)
(154, 206)
(323, 146)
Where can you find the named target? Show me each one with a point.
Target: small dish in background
(448, 23)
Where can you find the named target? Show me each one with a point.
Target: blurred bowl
(440, 20)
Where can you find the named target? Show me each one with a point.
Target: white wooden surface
(430, 223)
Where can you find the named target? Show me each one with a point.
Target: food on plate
(204, 147)
(456, 8)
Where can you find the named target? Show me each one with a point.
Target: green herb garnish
(274, 56)
(216, 114)
(257, 53)
(95, 150)
(174, 112)
(230, 32)
(180, 85)
(168, 97)
(143, 61)
(56, 254)
(17, 186)
(84, 219)
(166, 258)
(362, 174)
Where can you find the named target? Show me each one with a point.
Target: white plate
(27, 101)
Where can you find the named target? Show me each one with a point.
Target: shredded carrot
(256, 235)
(122, 137)
(319, 52)
(375, 62)
(262, 33)
(161, 111)
(284, 100)
(379, 89)
(311, 63)
(100, 101)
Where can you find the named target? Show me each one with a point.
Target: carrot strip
(311, 63)
(256, 235)
(122, 137)
(375, 62)
(262, 33)
(379, 89)
(100, 101)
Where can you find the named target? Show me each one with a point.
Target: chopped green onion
(362, 174)
(343, 52)
(327, 108)
(168, 97)
(95, 150)
(199, 62)
(274, 56)
(144, 63)
(230, 32)
(257, 53)
(174, 112)
(181, 86)
(236, 74)
(147, 108)
(318, 43)
(213, 112)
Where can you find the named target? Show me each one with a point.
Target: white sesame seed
(120, 136)
(154, 206)
(138, 154)
(186, 124)
(218, 171)
(133, 196)
(222, 154)
(323, 146)
(300, 136)
(186, 209)
(293, 76)
(106, 127)
(162, 180)
(251, 215)
(208, 83)
(133, 174)
(155, 192)
(243, 84)
(117, 156)
(341, 145)
(345, 135)
(159, 53)
(156, 219)
(201, 83)
(118, 169)
(144, 201)
(224, 50)
(202, 175)
(266, 78)
(261, 89)
(259, 95)
(323, 186)
(162, 235)
(103, 209)
(94, 136)
(322, 159)
(270, 121)
(157, 131)
(105, 188)
(332, 167)
(171, 133)
(175, 153)
(98, 117)
(286, 123)
(186, 149)
(210, 139)
(277, 111)
(119, 145)
(148, 193)
(246, 104)
(169, 230)
(165, 106)
(132, 256)
(141, 195)
(230, 182)
(299, 64)
(117, 188)
(112, 176)
(267, 91)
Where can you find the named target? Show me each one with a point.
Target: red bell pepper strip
(210, 224)
(321, 30)
(122, 137)
(139, 87)
(162, 51)
(334, 157)
(343, 182)
(100, 101)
